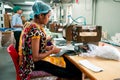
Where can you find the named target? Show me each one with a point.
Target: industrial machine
(85, 35)
(82, 34)
(67, 32)
(55, 27)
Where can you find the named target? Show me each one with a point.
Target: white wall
(108, 16)
(83, 8)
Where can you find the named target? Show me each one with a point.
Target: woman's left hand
(49, 47)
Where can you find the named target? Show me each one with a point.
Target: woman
(34, 54)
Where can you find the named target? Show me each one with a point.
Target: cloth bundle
(108, 52)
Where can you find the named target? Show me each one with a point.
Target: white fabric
(107, 52)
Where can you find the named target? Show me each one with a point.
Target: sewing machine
(54, 27)
(67, 32)
(82, 34)
(86, 34)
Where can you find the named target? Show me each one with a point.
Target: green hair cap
(16, 8)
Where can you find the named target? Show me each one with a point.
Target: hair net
(40, 7)
(16, 8)
(31, 15)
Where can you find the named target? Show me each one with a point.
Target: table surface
(111, 67)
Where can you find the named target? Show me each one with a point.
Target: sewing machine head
(55, 27)
(67, 32)
(86, 34)
(82, 34)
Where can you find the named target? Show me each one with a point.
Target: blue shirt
(16, 20)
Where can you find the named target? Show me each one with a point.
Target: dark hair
(36, 16)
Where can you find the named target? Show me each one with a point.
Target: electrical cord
(75, 20)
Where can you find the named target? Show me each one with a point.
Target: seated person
(34, 54)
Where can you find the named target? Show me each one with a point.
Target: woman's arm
(35, 50)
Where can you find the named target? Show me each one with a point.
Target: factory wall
(83, 8)
(108, 15)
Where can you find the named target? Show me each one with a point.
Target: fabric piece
(107, 52)
(58, 61)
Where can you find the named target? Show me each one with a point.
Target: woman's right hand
(55, 50)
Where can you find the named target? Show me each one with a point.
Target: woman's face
(45, 18)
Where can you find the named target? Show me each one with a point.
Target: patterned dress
(30, 31)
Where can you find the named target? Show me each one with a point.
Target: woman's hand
(49, 47)
(49, 38)
(55, 50)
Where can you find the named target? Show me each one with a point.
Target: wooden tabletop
(111, 67)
